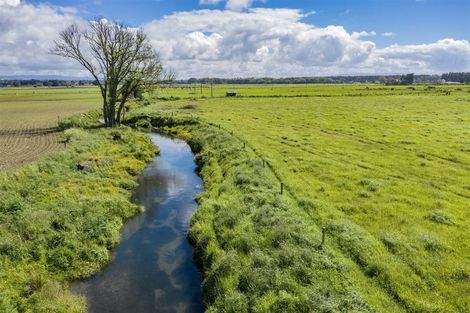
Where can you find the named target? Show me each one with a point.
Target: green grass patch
(59, 223)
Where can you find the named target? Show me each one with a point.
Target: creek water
(152, 269)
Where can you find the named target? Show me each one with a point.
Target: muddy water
(152, 269)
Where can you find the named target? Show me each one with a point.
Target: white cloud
(212, 2)
(363, 34)
(236, 5)
(443, 55)
(10, 2)
(275, 42)
(259, 35)
(388, 34)
(27, 33)
(229, 43)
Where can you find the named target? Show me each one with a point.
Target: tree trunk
(105, 115)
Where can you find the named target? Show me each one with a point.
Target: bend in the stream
(152, 268)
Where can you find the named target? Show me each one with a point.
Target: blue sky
(230, 38)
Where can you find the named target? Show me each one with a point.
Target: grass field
(204, 91)
(29, 117)
(386, 170)
(387, 173)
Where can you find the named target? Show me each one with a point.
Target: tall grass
(58, 223)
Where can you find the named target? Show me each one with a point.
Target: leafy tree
(120, 59)
(457, 77)
(408, 79)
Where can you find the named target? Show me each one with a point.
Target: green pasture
(196, 91)
(387, 175)
(41, 107)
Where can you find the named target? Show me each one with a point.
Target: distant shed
(231, 93)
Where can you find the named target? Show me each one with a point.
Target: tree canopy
(120, 59)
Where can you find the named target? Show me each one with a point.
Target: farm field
(29, 119)
(384, 169)
(196, 91)
(386, 173)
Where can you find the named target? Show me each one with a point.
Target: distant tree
(382, 80)
(456, 77)
(120, 59)
(408, 79)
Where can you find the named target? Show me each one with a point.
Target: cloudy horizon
(234, 38)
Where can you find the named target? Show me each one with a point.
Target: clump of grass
(189, 107)
(370, 184)
(364, 194)
(441, 217)
(393, 241)
(431, 242)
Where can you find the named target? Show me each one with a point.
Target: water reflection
(152, 269)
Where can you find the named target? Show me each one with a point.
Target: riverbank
(59, 222)
(152, 268)
(255, 245)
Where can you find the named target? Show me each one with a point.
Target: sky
(253, 38)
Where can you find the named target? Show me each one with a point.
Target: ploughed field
(29, 118)
(385, 169)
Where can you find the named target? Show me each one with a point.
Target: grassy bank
(258, 249)
(387, 176)
(58, 223)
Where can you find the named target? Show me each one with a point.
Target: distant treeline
(457, 77)
(368, 79)
(44, 83)
(407, 79)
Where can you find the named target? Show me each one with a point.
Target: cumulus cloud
(276, 42)
(443, 55)
(27, 33)
(252, 42)
(259, 35)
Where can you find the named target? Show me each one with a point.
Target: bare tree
(120, 59)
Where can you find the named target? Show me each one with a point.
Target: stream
(152, 269)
